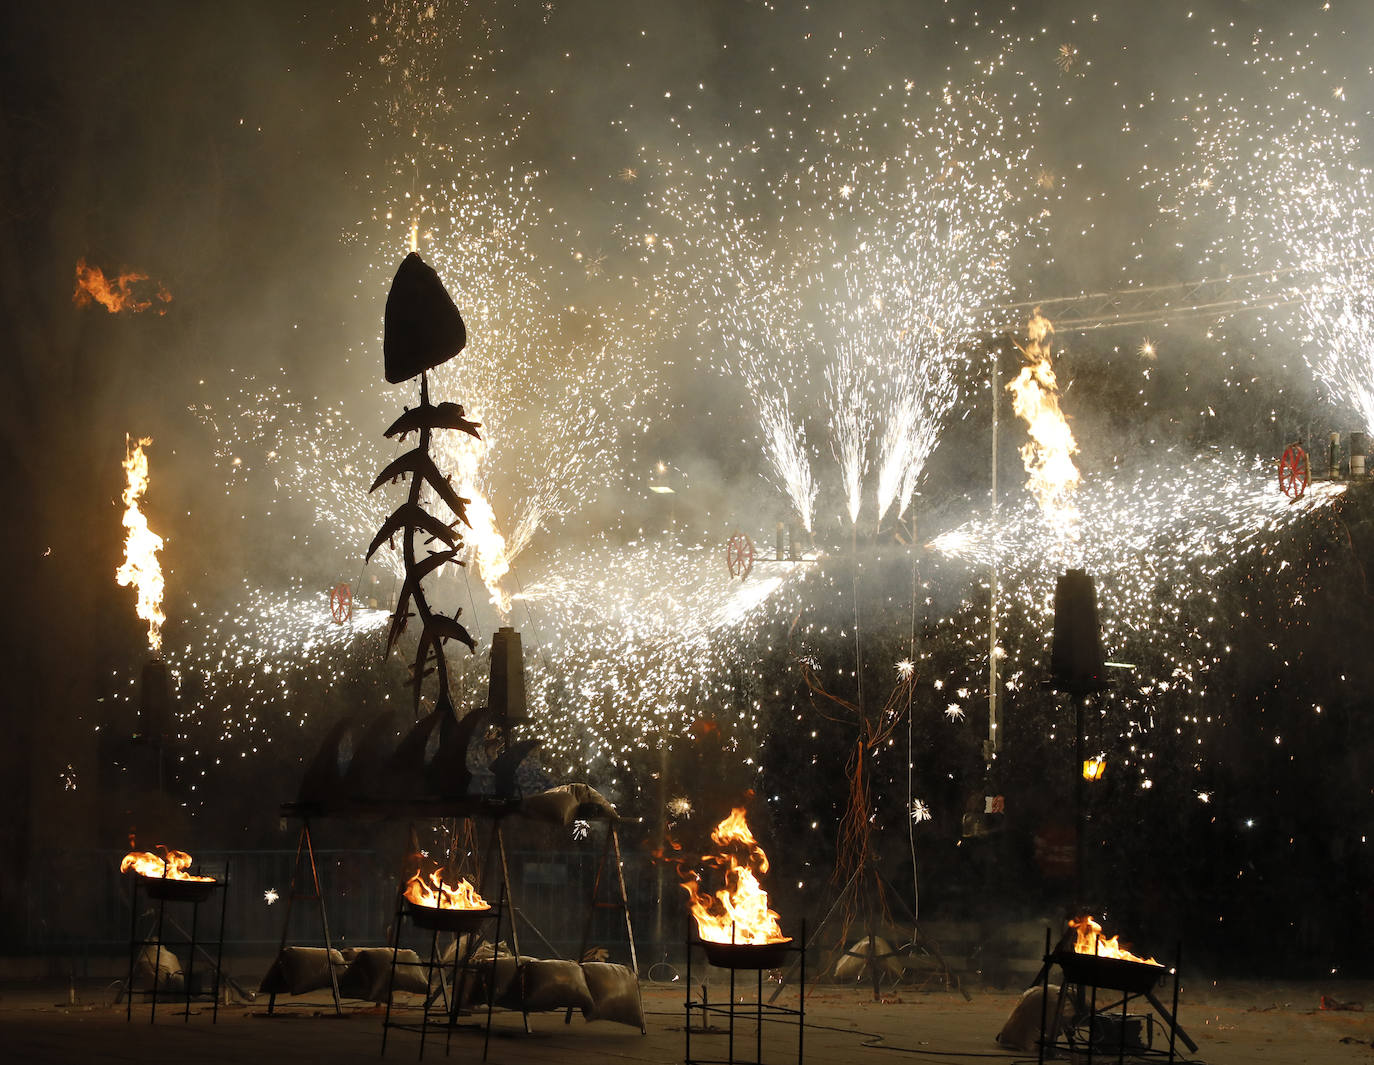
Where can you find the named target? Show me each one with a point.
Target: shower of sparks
(831, 260)
(141, 569)
(1156, 544)
(1270, 183)
(637, 636)
(855, 252)
(252, 672)
(1048, 455)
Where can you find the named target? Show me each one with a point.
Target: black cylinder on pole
(506, 691)
(1076, 655)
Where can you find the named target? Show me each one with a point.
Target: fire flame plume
(141, 567)
(171, 865)
(114, 294)
(739, 913)
(1091, 941)
(1048, 456)
(433, 890)
(488, 550)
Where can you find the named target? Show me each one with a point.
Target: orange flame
(739, 913)
(1048, 456)
(433, 890)
(115, 295)
(488, 549)
(1091, 941)
(141, 568)
(172, 865)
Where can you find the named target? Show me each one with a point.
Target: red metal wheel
(1295, 472)
(341, 603)
(739, 555)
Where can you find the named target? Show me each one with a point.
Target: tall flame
(141, 568)
(171, 865)
(1091, 941)
(739, 912)
(487, 547)
(114, 294)
(1048, 456)
(433, 890)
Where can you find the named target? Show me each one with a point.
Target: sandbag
(853, 964)
(560, 805)
(298, 970)
(370, 973)
(1022, 1030)
(156, 962)
(553, 985)
(615, 994)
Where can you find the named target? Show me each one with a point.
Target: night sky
(657, 220)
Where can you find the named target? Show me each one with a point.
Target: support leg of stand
(133, 947)
(801, 995)
(491, 983)
(732, 1009)
(1044, 981)
(1171, 1019)
(1121, 1050)
(191, 960)
(157, 960)
(758, 1021)
(219, 952)
(687, 1027)
(429, 980)
(514, 932)
(819, 929)
(1092, 1024)
(390, 988)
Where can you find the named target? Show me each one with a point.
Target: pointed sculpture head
(423, 327)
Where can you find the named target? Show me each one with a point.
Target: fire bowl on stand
(1115, 974)
(447, 919)
(170, 889)
(771, 955)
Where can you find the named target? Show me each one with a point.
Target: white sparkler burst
(236, 673)
(1270, 183)
(636, 637)
(856, 253)
(1157, 544)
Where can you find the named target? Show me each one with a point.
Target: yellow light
(1093, 768)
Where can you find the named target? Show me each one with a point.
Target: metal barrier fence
(81, 907)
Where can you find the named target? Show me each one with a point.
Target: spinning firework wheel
(1295, 472)
(341, 603)
(739, 555)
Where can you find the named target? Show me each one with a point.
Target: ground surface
(1233, 1025)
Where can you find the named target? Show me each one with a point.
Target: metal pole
(995, 381)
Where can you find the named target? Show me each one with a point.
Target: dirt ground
(1233, 1024)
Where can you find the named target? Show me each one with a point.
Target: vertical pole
(1045, 1000)
(1080, 797)
(660, 872)
(190, 960)
(219, 950)
(995, 381)
(687, 1029)
(1125, 1016)
(1173, 1020)
(157, 956)
(801, 996)
(133, 946)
